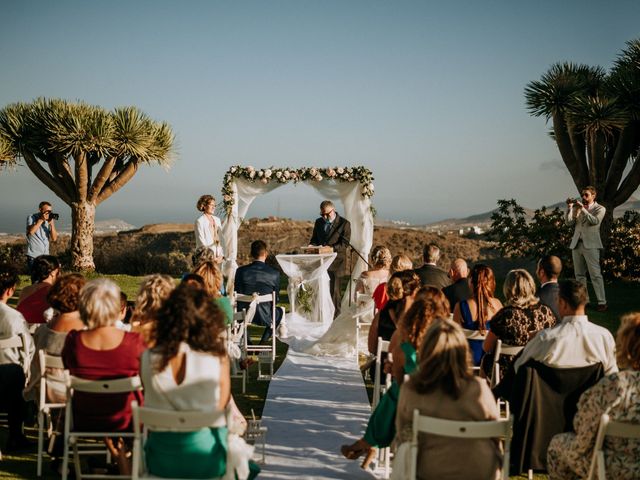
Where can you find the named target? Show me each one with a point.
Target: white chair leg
(40, 442)
(65, 460)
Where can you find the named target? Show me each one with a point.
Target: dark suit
(260, 278)
(338, 237)
(432, 275)
(457, 292)
(549, 297)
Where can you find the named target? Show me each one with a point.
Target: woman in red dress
(33, 299)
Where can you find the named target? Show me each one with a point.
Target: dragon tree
(596, 124)
(83, 154)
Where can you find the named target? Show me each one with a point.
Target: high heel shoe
(371, 454)
(355, 450)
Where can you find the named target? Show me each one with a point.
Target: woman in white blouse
(207, 227)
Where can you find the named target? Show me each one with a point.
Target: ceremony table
(309, 272)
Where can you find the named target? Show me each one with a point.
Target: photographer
(41, 229)
(586, 243)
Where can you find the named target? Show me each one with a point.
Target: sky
(428, 95)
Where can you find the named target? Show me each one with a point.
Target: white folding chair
(378, 389)
(48, 380)
(266, 353)
(72, 438)
(363, 317)
(20, 343)
(474, 335)
(155, 419)
(460, 429)
(501, 349)
(610, 428)
(235, 346)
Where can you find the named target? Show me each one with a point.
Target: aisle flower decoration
(285, 175)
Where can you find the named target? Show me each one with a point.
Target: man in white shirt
(14, 365)
(575, 341)
(586, 244)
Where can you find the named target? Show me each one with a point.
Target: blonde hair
(400, 262)
(519, 289)
(381, 257)
(154, 290)
(212, 277)
(445, 360)
(99, 303)
(628, 342)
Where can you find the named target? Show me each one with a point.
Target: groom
(334, 231)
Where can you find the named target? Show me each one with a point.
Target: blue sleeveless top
(470, 324)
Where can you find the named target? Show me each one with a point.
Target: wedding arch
(353, 186)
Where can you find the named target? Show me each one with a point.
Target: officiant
(334, 231)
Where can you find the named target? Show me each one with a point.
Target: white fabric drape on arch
(356, 209)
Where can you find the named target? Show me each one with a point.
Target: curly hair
(402, 284)
(430, 303)
(64, 295)
(9, 277)
(483, 282)
(381, 257)
(212, 277)
(189, 316)
(154, 290)
(628, 341)
(445, 360)
(42, 267)
(203, 201)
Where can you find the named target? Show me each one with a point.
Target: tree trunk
(607, 222)
(83, 216)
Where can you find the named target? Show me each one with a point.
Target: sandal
(355, 450)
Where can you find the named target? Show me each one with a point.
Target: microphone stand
(353, 249)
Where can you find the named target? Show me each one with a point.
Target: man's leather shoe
(602, 307)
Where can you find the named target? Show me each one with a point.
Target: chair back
(542, 392)
(501, 349)
(163, 420)
(19, 342)
(49, 380)
(612, 428)
(500, 429)
(383, 347)
(474, 334)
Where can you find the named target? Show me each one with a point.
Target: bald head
(458, 269)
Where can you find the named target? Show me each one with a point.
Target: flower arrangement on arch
(285, 175)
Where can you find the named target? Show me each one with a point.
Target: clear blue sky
(428, 95)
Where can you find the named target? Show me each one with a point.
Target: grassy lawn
(623, 297)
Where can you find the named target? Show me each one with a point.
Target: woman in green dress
(187, 370)
(429, 304)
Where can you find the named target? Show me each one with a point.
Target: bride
(340, 338)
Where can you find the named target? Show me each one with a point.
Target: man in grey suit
(430, 273)
(586, 243)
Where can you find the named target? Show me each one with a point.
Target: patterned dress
(569, 454)
(515, 326)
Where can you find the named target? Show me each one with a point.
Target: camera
(52, 216)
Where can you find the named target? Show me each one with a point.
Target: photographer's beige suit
(585, 246)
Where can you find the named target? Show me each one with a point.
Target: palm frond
(597, 115)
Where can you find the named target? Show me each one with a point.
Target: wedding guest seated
(64, 297)
(476, 312)
(444, 387)
(32, 302)
(398, 264)
(188, 370)
(13, 366)
(548, 270)
(211, 274)
(153, 291)
(126, 312)
(430, 304)
(102, 352)
(378, 273)
(521, 318)
(262, 279)
(575, 341)
(430, 273)
(459, 289)
(401, 290)
(569, 454)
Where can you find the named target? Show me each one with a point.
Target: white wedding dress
(340, 339)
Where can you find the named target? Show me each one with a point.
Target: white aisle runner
(314, 405)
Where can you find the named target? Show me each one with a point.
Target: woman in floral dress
(569, 454)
